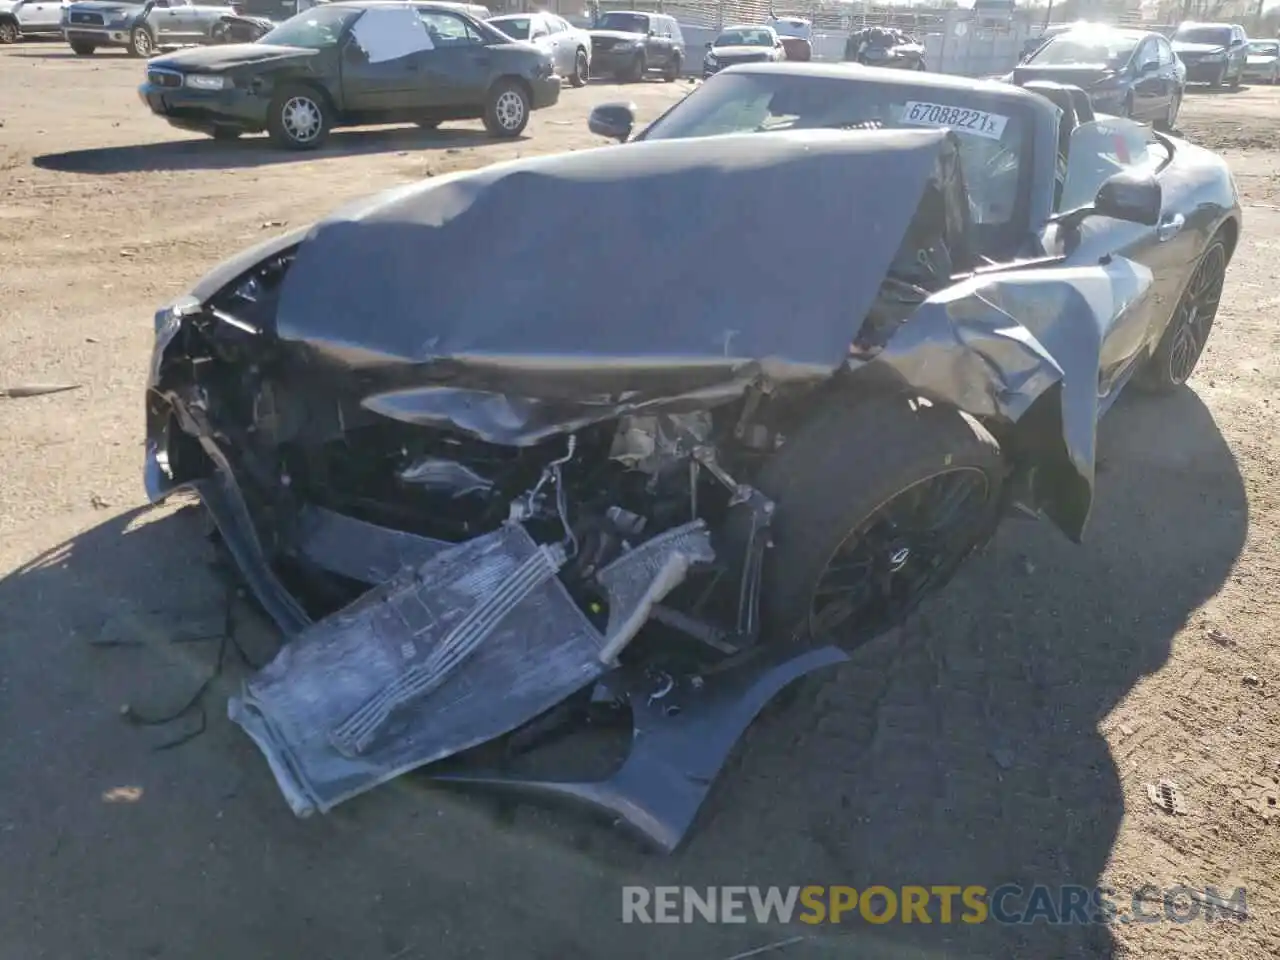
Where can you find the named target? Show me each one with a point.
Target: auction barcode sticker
(960, 119)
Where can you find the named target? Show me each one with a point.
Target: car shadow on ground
(257, 151)
(964, 751)
(1204, 88)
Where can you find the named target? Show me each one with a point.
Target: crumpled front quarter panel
(995, 344)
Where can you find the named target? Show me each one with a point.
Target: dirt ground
(1008, 737)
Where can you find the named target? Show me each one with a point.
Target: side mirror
(653, 33)
(708, 45)
(1127, 195)
(613, 120)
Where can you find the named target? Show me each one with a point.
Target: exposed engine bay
(480, 513)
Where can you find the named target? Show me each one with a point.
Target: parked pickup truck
(141, 28)
(29, 18)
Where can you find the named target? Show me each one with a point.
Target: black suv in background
(1215, 53)
(627, 44)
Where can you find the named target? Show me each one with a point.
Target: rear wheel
(877, 506)
(581, 69)
(299, 118)
(672, 72)
(506, 111)
(9, 32)
(1184, 339)
(141, 43)
(82, 49)
(1235, 81)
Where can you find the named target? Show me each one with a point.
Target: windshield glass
(1265, 49)
(517, 28)
(626, 22)
(745, 38)
(1219, 36)
(318, 28)
(991, 140)
(1085, 49)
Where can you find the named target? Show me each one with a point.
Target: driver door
(1149, 96)
(456, 68)
(382, 65)
(1097, 150)
(168, 19)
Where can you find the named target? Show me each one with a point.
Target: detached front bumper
(202, 110)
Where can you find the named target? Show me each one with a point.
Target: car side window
(447, 30)
(556, 25)
(389, 33)
(538, 27)
(1101, 148)
(1146, 53)
(1164, 52)
(676, 35)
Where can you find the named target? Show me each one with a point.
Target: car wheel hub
(894, 557)
(509, 110)
(142, 42)
(8, 32)
(301, 119)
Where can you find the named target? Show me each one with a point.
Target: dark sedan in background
(350, 64)
(1127, 73)
(627, 44)
(1214, 53)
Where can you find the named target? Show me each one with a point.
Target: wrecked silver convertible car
(489, 507)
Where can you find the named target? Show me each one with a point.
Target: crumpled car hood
(444, 286)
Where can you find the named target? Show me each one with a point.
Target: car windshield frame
(634, 18)
(289, 33)
(736, 84)
(1209, 36)
(1119, 47)
(737, 37)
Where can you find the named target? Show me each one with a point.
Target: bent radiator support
(476, 641)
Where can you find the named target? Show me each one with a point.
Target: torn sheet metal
(476, 641)
(515, 361)
(996, 343)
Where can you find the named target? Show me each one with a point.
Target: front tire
(82, 49)
(635, 70)
(877, 504)
(506, 112)
(299, 119)
(672, 73)
(141, 43)
(9, 31)
(581, 69)
(1184, 340)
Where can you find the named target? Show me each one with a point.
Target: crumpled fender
(998, 344)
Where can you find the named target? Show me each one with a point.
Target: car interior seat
(1063, 96)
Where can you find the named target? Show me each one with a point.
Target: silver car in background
(568, 46)
(141, 28)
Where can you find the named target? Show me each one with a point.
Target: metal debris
(35, 390)
(1166, 795)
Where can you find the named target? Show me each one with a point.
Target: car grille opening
(92, 19)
